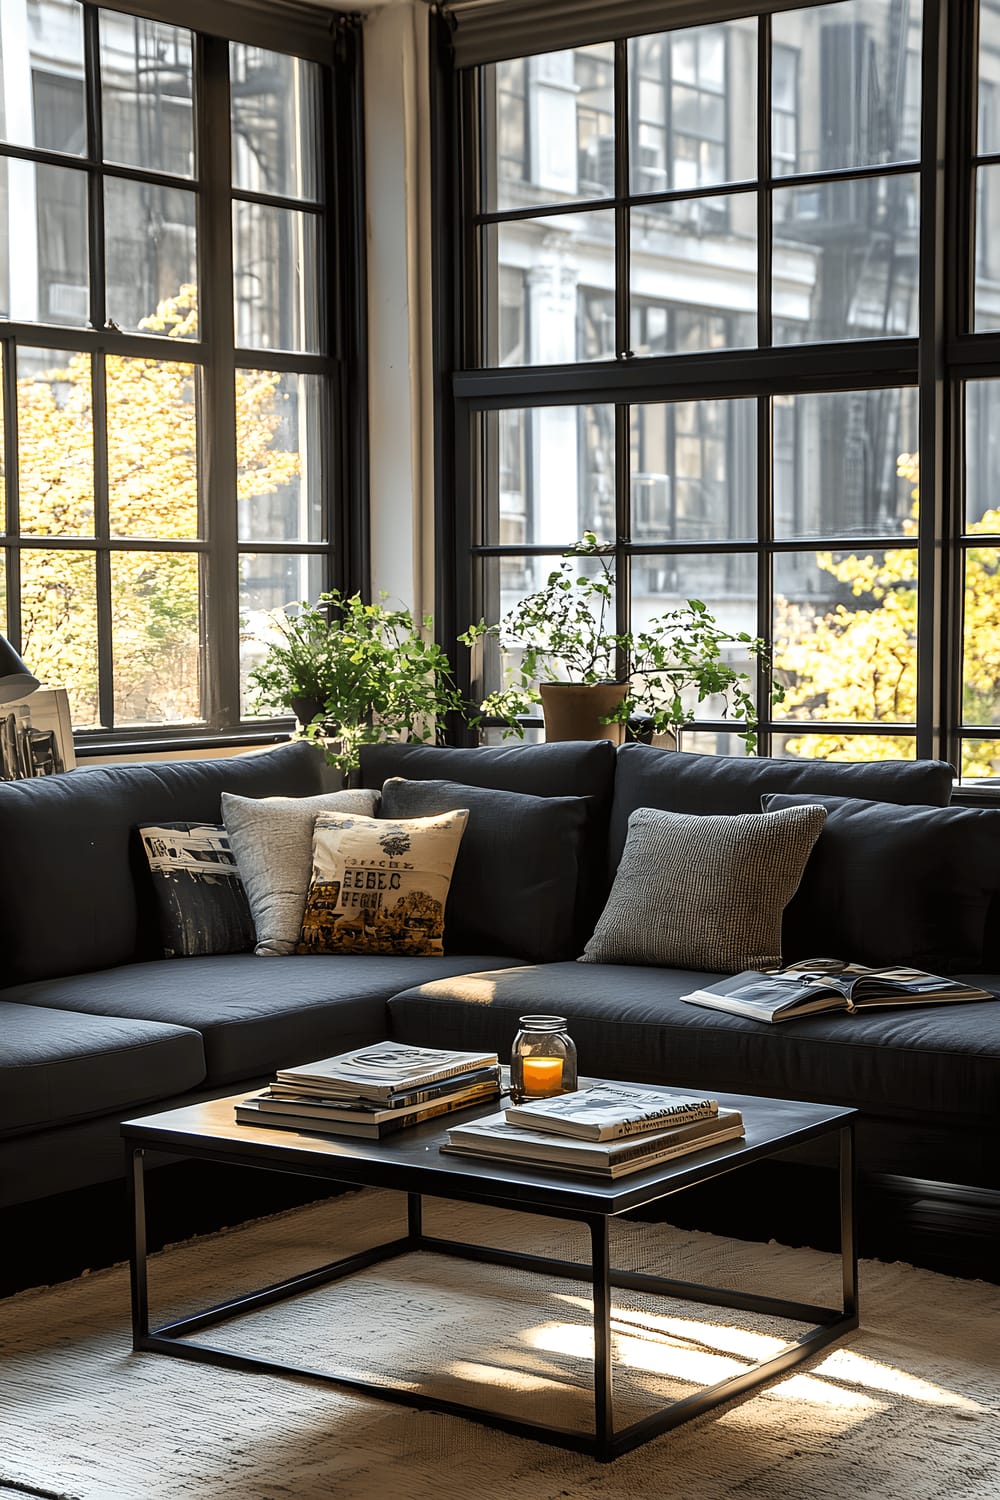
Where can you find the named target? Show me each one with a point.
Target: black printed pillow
(202, 903)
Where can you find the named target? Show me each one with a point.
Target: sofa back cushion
(888, 884)
(514, 887)
(573, 768)
(76, 892)
(679, 781)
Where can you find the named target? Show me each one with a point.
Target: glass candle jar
(543, 1059)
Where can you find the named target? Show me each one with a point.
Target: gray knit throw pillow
(697, 892)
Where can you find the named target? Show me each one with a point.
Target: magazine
(609, 1111)
(283, 1094)
(810, 986)
(384, 1069)
(493, 1136)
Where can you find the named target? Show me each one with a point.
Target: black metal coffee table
(411, 1162)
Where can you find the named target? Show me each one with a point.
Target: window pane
(982, 455)
(550, 476)
(280, 425)
(845, 260)
(838, 746)
(3, 461)
(503, 589)
(55, 443)
(152, 448)
(277, 278)
(843, 464)
(269, 582)
(276, 122)
(693, 107)
(980, 759)
(59, 625)
(981, 674)
(554, 128)
(43, 244)
(987, 297)
(147, 108)
(151, 257)
(845, 635)
(702, 254)
(694, 472)
(712, 742)
(154, 603)
(41, 63)
(856, 91)
(989, 77)
(726, 583)
(566, 262)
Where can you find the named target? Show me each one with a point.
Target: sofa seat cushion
(254, 1014)
(58, 1066)
(927, 1061)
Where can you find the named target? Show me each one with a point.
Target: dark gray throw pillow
(571, 768)
(701, 892)
(681, 781)
(514, 886)
(889, 884)
(201, 899)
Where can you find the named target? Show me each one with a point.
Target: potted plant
(355, 673)
(557, 650)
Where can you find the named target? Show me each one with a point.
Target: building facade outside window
(733, 296)
(171, 360)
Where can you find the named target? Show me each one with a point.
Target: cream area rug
(907, 1408)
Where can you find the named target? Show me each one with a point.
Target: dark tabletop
(412, 1160)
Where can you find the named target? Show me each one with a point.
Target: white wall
(400, 373)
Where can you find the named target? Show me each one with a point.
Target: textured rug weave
(907, 1408)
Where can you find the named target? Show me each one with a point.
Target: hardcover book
(495, 1137)
(609, 1111)
(384, 1069)
(356, 1112)
(804, 989)
(250, 1113)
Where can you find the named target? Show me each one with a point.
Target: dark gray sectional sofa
(96, 1026)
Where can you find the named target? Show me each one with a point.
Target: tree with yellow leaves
(860, 664)
(152, 454)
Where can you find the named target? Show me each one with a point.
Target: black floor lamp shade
(15, 679)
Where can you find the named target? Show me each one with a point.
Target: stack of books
(606, 1131)
(373, 1091)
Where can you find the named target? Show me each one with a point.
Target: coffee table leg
(848, 1222)
(414, 1217)
(135, 1179)
(603, 1378)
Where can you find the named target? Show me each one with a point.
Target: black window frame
(334, 43)
(936, 362)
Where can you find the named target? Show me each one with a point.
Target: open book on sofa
(827, 984)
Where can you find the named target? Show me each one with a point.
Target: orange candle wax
(542, 1076)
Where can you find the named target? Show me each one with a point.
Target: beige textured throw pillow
(704, 892)
(379, 885)
(271, 839)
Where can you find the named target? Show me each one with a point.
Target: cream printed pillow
(380, 886)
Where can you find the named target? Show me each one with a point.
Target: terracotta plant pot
(573, 710)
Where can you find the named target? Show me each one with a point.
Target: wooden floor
(942, 1228)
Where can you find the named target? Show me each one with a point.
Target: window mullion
(935, 653)
(102, 533)
(219, 604)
